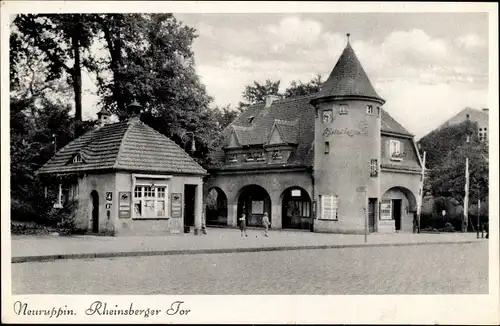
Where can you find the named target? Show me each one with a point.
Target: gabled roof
(295, 119)
(389, 124)
(130, 145)
(348, 78)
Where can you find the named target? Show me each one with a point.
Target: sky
(427, 66)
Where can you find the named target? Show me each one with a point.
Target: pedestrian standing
(266, 223)
(243, 225)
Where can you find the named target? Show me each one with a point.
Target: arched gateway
(216, 208)
(253, 201)
(295, 209)
(397, 209)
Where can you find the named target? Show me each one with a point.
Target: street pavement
(460, 268)
(218, 240)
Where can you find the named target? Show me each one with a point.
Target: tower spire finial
(348, 35)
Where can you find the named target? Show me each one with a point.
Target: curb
(25, 259)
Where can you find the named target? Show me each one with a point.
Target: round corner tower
(347, 147)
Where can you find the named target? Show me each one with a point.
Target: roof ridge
(287, 122)
(182, 151)
(288, 99)
(120, 149)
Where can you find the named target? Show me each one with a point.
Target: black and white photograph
(277, 162)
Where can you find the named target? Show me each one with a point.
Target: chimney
(270, 99)
(487, 110)
(103, 117)
(134, 110)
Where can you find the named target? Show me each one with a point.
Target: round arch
(399, 204)
(216, 207)
(253, 201)
(296, 208)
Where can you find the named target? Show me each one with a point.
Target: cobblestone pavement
(439, 269)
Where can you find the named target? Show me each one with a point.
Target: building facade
(481, 117)
(128, 179)
(335, 161)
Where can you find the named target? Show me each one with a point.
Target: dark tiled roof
(127, 145)
(348, 78)
(389, 124)
(295, 119)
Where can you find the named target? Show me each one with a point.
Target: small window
(369, 109)
(343, 109)
(296, 193)
(378, 111)
(250, 119)
(277, 155)
(467, 117)
(259, 157)
(249, 157)
(395, 150)
(373, 167)
(232, 158)
(327, 147)
(484, 129)
(77, 159)
(329, 207)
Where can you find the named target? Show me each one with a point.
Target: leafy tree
(298, 88)
(448, 178)
(255, 93)
(61, 39)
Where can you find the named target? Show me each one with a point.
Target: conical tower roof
(348, 79)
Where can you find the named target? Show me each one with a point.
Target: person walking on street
(243, 225)
(266, 223)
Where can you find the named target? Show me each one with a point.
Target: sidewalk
(218, 240)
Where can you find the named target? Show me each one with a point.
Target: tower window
(378, 110)
(343, 109)
(373, 167)
(369, 109)
(327, 147)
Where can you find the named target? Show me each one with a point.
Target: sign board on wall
(176, 205)
(125, 204)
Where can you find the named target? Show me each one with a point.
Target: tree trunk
(77, 75)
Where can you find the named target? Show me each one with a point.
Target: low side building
(328, 162)
(128, 179)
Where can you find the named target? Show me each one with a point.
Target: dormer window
(77, 158)
(277, 155)
(233, 158)
(249, 158)
(259, 157)
(250, 119)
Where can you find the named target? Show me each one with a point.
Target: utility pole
(466, 199)
(420, 194)
(478, 210)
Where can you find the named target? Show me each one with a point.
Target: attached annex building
(129, 179)
(322, 162)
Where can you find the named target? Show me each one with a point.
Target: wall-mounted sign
(124, 204)
(362, 131)
(257, 207)
(176, 205)
(398, 155)
(361, 189)
(109, 196)
(327, 116)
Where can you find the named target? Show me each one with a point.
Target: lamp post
(193, 146)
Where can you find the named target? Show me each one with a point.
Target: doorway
(296, 209)
(95, 211)
(396, 211)
(189, 201)
(372, 204)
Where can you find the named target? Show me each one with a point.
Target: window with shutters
(386, 210)
(395, 152)
(329, 207)
(373, 167)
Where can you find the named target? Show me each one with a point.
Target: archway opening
(398, 206)
(253, 201)
(216, 207)
(296, 209)
(95, 211)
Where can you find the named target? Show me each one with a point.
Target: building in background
(128, 179)
(481, 117)
(324, 162)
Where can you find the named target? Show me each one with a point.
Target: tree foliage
(447, 150)
(255, 93)
(298, 88)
